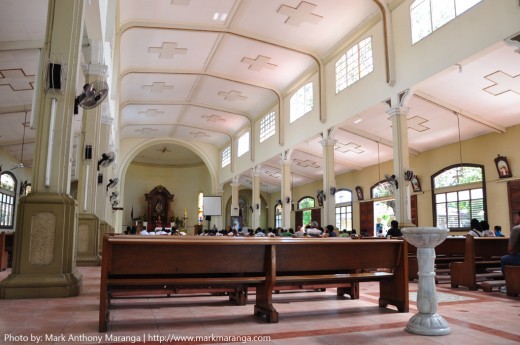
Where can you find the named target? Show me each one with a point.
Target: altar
(158, 207)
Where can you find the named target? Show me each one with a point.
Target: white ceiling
(185, 75)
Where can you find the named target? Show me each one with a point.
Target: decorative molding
(157, 87)
(503, 83)
(261, 62)
(16, 79)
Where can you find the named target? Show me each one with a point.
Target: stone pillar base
(88, 240)
(44, 252)
(41, 286)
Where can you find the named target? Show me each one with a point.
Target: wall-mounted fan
(114, 196)
(392, 180)
(106, 159)
(92, 96)
(112, 183)
(20, 164)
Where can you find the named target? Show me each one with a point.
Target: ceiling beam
(20, 45)
(470, 116)
(15, 109)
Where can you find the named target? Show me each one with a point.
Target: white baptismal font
(427, 321)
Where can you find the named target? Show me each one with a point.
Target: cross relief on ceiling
(16, 79)
(213, 118)
(158, 87)
(306, 163)
(146, 131)
(167, 50)
(300, 14)
(350, 147)
(200, 135)
(232, 95)
(181, 2)
(274, 174)
(261, 62)
(416, 123)
(503, 82)
(151, 112)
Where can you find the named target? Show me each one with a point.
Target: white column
(329, 181)
(44, 257)
(401, 164)
(235, 186)
(256, 202)
(286, 193)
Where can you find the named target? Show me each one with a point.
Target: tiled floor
(305, 318)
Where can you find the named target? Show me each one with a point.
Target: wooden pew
(134, 263)
(166, 264)
(344, 263)
(480, 253)
(450, 250)
(512, 277)
(4, 256)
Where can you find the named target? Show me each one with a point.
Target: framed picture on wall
(359, 193)
(416, 185)
(503, 167)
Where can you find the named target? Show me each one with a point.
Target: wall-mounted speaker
(208, 218)
(54, 76)
(88, 151)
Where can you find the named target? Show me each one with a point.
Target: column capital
(328, 142)
(394, 111)
(94, 70)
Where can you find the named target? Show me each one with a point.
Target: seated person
(329, 231)
(476, 229)
(394, 230)
(486, 232)
(513, 248)
(144, 232)
(498, 231)
(313, 230)
(300, 232)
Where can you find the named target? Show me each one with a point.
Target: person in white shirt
(313, 230)
(486, 232)
(476, 230)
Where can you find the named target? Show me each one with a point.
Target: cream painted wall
(481, 150)
(184, 183)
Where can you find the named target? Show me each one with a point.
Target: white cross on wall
(300, 14)
(168, 50)
(259, 63)
(503, 83)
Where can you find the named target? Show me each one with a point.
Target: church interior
(187, 115)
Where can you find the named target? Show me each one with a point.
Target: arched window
(343, 209)
(458, 196)
(278, 216)
(383, 194)
(7, 200)
(305, 204)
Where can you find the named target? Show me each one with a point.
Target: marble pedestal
(427, 321)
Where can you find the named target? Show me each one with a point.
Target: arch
(129, 156)
(8, 199)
